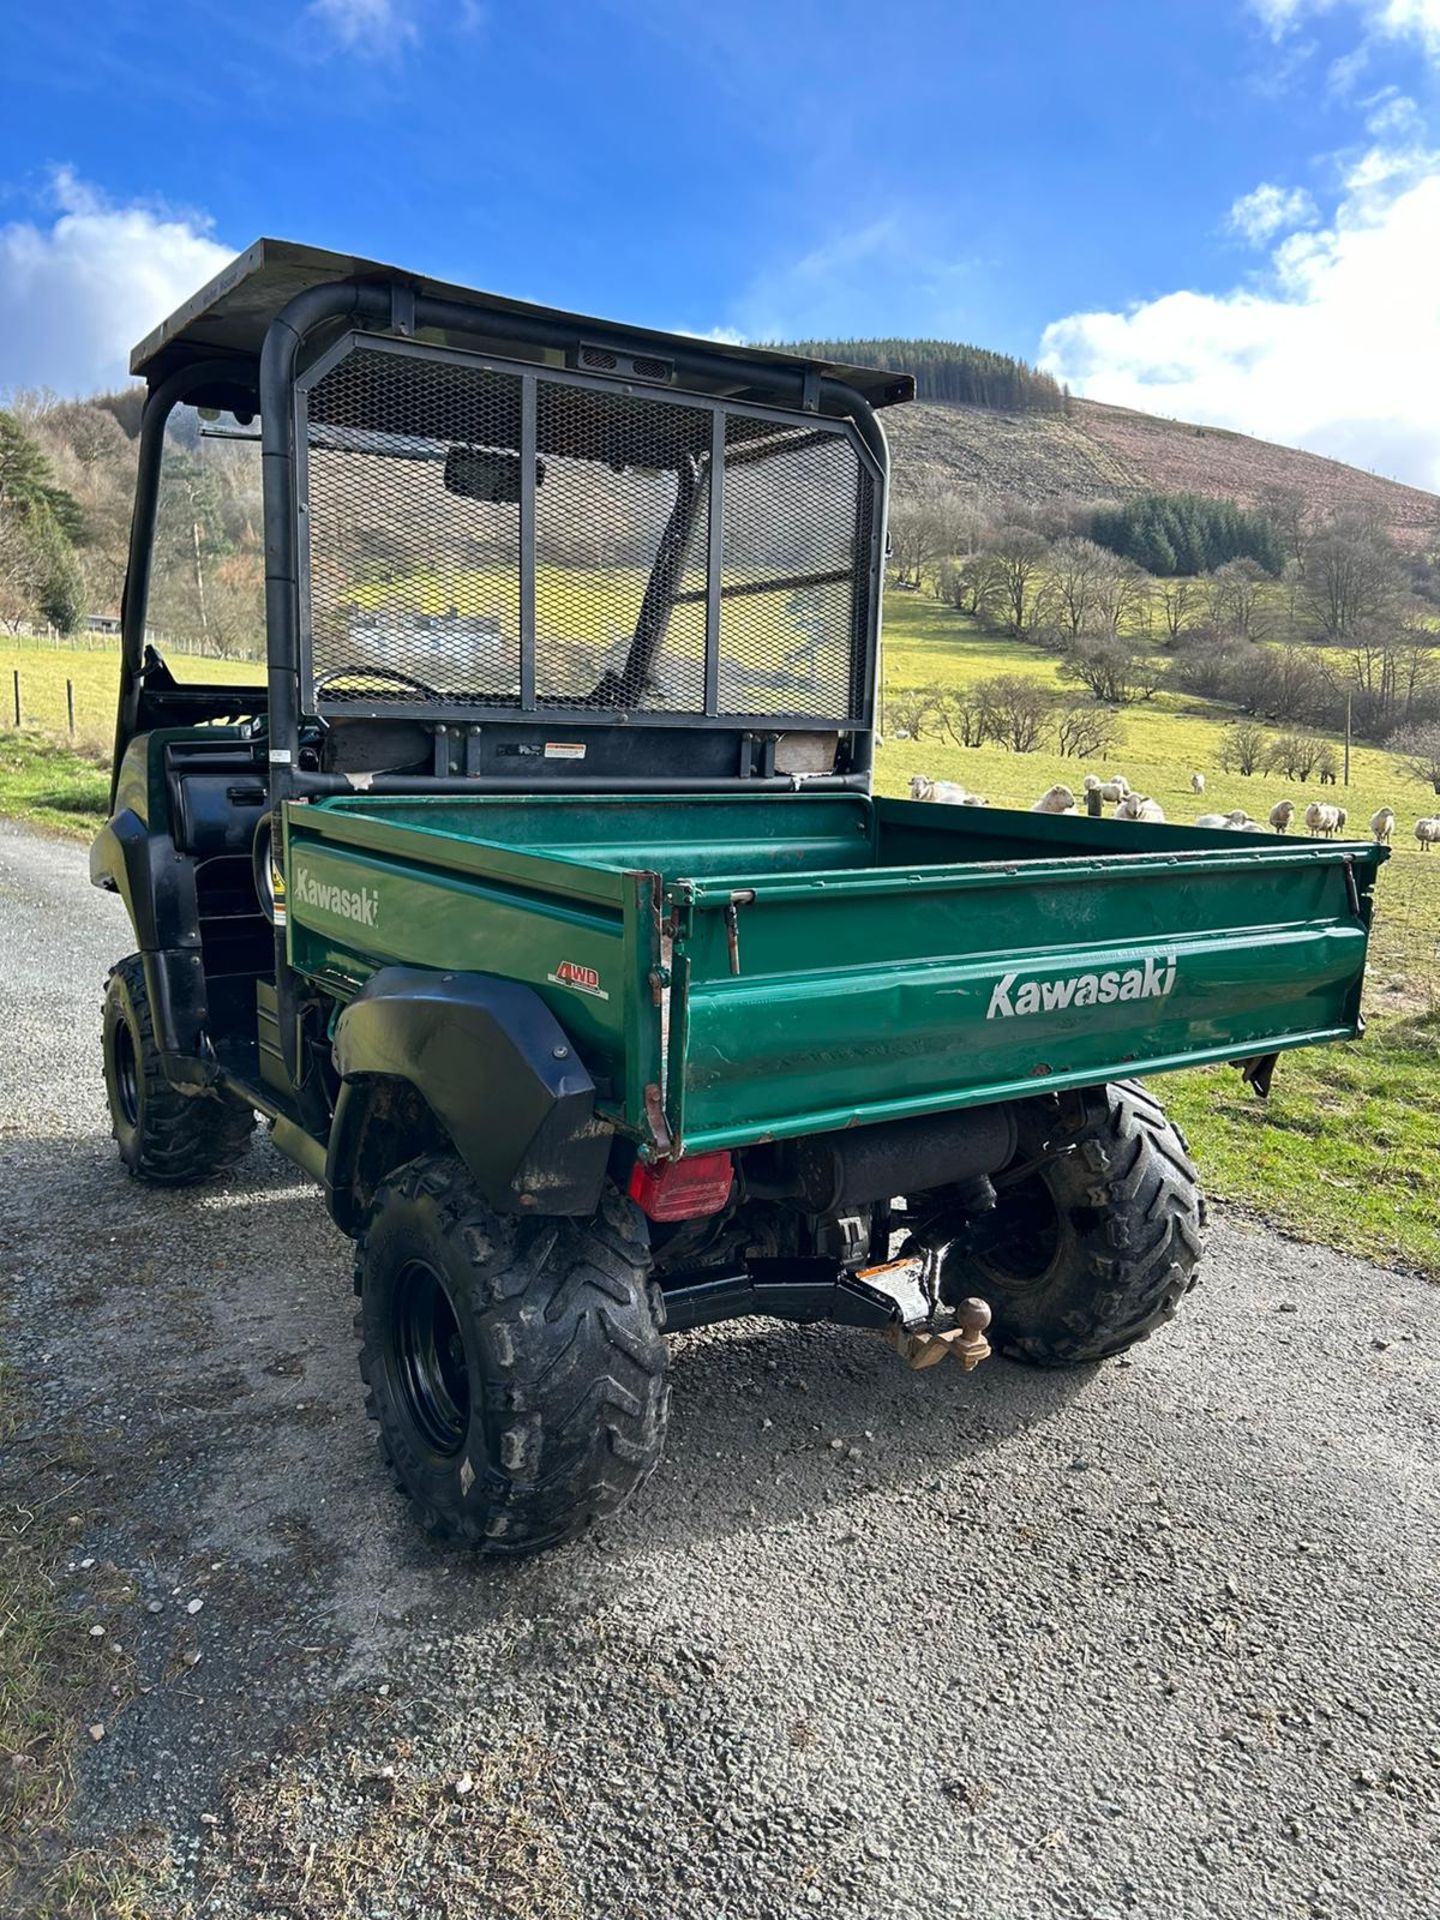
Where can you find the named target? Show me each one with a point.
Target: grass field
(1343, 1151)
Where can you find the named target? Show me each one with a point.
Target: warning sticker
(564, 750)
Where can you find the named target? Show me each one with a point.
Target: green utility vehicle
(538, 901)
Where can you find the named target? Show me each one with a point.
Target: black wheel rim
(1022, 1237)
(434, 1379)
(127, 1074)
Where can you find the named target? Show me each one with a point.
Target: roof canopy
(232, 313)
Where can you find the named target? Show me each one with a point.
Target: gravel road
(1155, 1639)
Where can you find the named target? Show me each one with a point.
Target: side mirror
(486, 473)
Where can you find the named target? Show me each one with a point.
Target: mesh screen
(787, 619)
(414, 587)
(606, 528)
(414, 547)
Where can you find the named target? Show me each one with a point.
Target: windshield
(206, 611)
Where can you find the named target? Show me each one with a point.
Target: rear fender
(495, 1072)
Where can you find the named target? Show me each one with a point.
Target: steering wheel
(377, 673)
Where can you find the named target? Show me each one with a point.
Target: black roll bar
(160, 403)
(279, 357)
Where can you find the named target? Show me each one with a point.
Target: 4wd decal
(360, 904)
(1152, 981)
(570, 973)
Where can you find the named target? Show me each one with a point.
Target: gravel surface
(1155, 1639)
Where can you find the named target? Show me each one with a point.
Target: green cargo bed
(736, 969)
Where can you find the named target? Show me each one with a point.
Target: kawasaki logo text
(359, 904)
(1153, 981)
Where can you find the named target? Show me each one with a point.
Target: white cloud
(1335, 346)
(77, 294)
(370, 27)
(849, 285)
(1392, 115)
(1259, 215)
(1382, 19)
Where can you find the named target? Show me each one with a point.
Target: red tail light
(682, 1189)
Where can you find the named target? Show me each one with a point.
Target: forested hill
(949, 370)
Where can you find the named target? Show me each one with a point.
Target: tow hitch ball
(912, 1283)
(927, 1346)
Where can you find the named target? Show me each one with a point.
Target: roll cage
(730, 502)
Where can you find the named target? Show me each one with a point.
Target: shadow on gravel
(209, 1330)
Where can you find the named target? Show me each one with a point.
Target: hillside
(1095, 452)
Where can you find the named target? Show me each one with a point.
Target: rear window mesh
(599, 527)
(414, 588)
(413, 534)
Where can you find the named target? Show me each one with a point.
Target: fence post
(17, 696)
(70, 705)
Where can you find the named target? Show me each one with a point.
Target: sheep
(1108, 790)
(1197, 783)
(1213, 820)
(945, 793)
(1055, 799)
(1382, 825)
(1427, 832)
(1239, 821)
(1139, 806)
(1322, 818)
(1281, 815)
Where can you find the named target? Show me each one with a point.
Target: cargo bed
(737, 969)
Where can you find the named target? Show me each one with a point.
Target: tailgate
(819, 1001)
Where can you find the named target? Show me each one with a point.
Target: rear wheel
(516, 1367)
(1096, 1234)
(168, 1138)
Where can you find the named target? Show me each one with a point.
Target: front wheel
(1096, 1233)
(516, 1367)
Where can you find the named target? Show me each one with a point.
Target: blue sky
(1177, 204)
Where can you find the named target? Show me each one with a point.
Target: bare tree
(1351, 578)
(1296, 755)
(1117, 670)
(961, 716)
(927, 527)
(1391, 674)
(1179, 603)
(1017, 712)
(1282, 683)
(1085, 731)
(1243, 747)
(1236, 596)
(22, 571)
(974, 585)
(1288, 511)
(1122, 599)
(1417, 753)
(1074, 573)
(909, 710)
(1020, 555)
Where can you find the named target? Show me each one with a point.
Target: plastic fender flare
(157, 884)
(497, 1071)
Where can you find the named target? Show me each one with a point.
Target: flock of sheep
(1322, 818)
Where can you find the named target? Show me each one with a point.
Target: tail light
(682, 1189)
